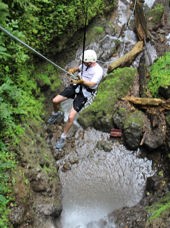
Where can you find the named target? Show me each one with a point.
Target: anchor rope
(33, 50)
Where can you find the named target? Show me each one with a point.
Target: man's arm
(83, 82)
(88, 83)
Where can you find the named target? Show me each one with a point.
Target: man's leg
(56, 114)
(61, 142)
(70, 120)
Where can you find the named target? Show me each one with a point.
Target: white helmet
(89, 56)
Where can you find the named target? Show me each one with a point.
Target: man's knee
(71, 117)
(58, 99)
(55, 99)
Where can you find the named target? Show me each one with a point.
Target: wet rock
(164, 91)
(74, 160)
(49, 210)
(133, 129)
(154, 139)
(66, 167)
(134, 217)
(155, 131)
(58, 154)
(104, 145)
(17, 215)
(108, 43)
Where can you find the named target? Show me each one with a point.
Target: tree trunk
(140, 20)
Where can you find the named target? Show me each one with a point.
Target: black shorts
(78, 98)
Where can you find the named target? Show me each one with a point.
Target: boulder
(114, 86)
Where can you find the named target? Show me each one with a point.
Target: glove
(72, 70)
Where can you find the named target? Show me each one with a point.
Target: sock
(63, 136)
(53, 113)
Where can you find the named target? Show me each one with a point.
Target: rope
(33, 50)
(85, 9)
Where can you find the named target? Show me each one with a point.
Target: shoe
(60, 143)
(56, 117)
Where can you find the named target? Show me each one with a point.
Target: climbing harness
(33, 50)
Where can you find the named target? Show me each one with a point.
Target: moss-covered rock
(115, 86)
(133, 129)
(119, 116)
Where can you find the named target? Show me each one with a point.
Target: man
(90, 75)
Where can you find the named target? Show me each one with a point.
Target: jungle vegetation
(39, 23)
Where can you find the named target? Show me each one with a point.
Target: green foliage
(3, 12)
(16, 104)
(99, 29)
(43, 21)
(160, 74)
(159, 208)
(6, 164)
(156, 13)
(47, 76)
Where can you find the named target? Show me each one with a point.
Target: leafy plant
(6, 164)
(160, 74)
(3, 12)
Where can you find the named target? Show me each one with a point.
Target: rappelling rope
(33, 50)
(85, 11)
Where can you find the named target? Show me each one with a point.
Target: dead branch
(127, 58)
(150, 102)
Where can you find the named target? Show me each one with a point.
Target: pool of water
(101, 182)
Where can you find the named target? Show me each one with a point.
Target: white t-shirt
(92, 74)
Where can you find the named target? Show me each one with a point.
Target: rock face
(140, 127)
(37, 187)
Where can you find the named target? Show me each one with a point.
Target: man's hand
(73, 70)
(79, 81)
